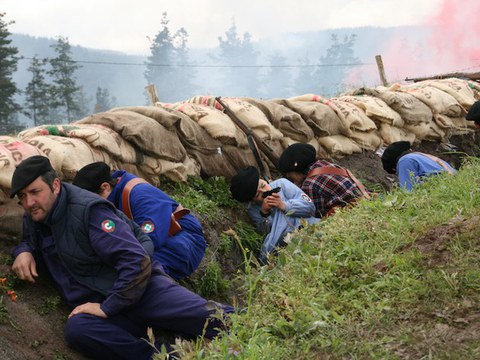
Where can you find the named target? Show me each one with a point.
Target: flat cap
(91, 176)
(27, 171)
(244, 184)
(392, 153)
(297, 157)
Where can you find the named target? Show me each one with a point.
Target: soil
(32, 328)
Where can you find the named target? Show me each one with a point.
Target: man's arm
(113, 241)
(24, 264)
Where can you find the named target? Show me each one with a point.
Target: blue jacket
(151, 209)
(413, 167)
(91, 258)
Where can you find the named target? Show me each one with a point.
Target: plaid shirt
(329, 191)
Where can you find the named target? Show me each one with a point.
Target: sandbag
(12, 153)
(145, 133)
(339, 145)
(412, 110)
(391, 134)
(289, 123)
(217, 124)
(376, 109)
(320, 117)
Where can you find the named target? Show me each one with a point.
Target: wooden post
(152, 94)
(381, 70)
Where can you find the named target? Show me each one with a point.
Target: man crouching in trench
(101, 270)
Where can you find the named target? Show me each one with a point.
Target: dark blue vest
(70, 225)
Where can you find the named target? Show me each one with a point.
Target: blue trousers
(165, 306)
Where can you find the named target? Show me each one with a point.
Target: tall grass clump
(395, 277)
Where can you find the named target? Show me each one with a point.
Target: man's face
(262, 187)
(37, 198)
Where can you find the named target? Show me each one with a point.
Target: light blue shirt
(298, 206)
(412, 167)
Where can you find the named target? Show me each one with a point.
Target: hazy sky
(124, 25)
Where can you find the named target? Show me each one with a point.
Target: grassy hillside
(397, 277)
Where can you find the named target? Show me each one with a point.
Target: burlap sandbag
(287, 121)
(412, 110)
(237, 158)
(391, 134)
(68, 155)
(428, 132)
(457, 88)
(367, 140)
(217, 124)
(339, 145)
(148, 135)
(320, 117)
(12, 152)
(439, 101)
(376, 109)
(353, 117)
(454, 126)
(157, 113)
(253, 118)
(97, 136)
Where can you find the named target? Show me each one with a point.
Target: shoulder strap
(126, 194)
(438, 161)
(330, 170)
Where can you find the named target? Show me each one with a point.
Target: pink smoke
(450, 45)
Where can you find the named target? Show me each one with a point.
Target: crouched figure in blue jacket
(177, 235)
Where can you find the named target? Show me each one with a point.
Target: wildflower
(3, 281)
(12, 294)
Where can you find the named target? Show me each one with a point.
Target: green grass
(392, 278)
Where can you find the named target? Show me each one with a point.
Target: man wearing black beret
(176, 233)
(277, 208)
(329, 185)
(115, 290)
(412, 167)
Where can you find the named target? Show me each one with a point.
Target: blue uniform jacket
(411, 168)
(151, 209)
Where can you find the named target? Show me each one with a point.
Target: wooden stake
(381, 71)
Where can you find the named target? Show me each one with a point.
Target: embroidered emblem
(306, 198)
(108, 226)
(147, 227)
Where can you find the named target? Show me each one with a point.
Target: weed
(50, 304)
(212, 283)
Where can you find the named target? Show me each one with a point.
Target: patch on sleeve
(147, 227)
(108, 226)
(306, 198)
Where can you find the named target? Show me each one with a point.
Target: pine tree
(165, 67)
(8, 88)
(103, 101)
(338, 59)
(304, 81)
(37, 94)
(278, 78)
(242, 77)
(64, 91)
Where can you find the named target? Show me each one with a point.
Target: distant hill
(122, 74)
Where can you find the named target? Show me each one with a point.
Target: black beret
(297, 157)
(244, 184)
(392, 153)
(27, 171)
(91, 176)
(474, 113)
